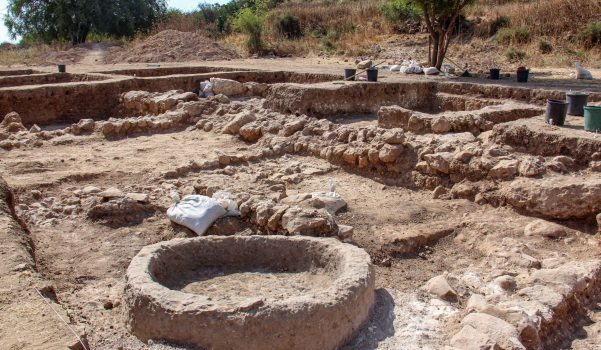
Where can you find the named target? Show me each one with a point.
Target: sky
(184, 5)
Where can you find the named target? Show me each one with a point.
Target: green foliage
(288, 26)
(544, 46)
(402, 13)
(498, 23)
(222, 16)
(441, 18)
(251, 24)
(515, 55)
(442, 9)
(591, 35)
(328, 40)
(519, 35)
(73, 20)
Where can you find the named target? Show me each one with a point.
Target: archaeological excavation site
(232, 205)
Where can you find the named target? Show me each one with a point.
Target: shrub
(591, 35)
(514, 55)
(328, 41)
(288, 26)
(498, 23)
(402, 13)
(544, 46)
(519, 35)
(250, 24)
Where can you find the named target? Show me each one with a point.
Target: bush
(544, 46)
(591, 35)
(250, 24)
(288, 26)
(514, 55)
(402, 13)
(328, 41)
(498, 23)
(519, 35)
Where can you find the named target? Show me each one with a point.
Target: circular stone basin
(250, 292)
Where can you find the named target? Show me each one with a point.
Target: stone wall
(353, 98)
(527, 94)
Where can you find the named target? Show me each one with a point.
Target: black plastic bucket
(577, 101)
(556, 112)
(349, 72)
(372, 75)
(522, 75)
(495, 74)
(62, 68)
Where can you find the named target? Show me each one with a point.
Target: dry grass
(552, 18)
(556, 22)
(342, 28)
(28, 55)
(350, 28)
(317, 16)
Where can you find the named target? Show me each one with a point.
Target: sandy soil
(227, 285)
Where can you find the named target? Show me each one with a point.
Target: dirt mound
(72, 55)
(172, 46)
(77, 54)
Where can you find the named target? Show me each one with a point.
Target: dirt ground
(74, 194)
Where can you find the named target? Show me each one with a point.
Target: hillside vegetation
(500, 32)
(490, 33)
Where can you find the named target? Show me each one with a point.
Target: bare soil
(223, 285)
(411, 234)
(171, 46)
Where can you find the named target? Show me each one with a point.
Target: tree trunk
(81, 35)
(442, 50)
(435, 48)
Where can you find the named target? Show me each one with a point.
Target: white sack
(431, 71)
(195, 212)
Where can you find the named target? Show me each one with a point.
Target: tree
(250, 23)
(441, 18)
(48, 20)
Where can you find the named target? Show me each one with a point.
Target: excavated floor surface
(417, 219)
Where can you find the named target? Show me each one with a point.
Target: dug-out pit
(250, 292)
(66, 98)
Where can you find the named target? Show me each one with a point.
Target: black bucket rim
(578, 94)
(557, 102)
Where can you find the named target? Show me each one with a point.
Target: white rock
(139, 197)
(90, 190)
(364, 64)
(545, 229)
(497, 330)
(227, 87)
(111, 192)
(506, 282)
(35, 129)
(345, 232)
(440, 287)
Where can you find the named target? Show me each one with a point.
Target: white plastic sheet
(206, 89)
